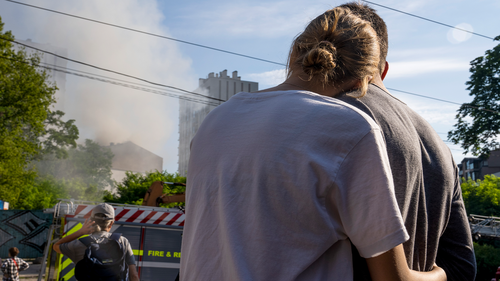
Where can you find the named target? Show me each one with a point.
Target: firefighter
(98, 227)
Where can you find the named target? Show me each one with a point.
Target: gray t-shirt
(75, 250)
(427, 188)
(280, 184)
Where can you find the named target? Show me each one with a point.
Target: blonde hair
(101, 223)
(336, 47)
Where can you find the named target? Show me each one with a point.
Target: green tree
(28, 128)
(480, 135)
(487, 260)
(482, 197)
(89, 163)
(24, 102)
(135, 185)
(59, 135)
(45, 191)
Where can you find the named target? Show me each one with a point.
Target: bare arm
(392, 266)
(133, 273)
(87, 228)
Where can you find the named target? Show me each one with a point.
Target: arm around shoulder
(392, 266)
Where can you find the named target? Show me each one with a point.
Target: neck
(377, 80)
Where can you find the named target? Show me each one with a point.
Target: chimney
(235, 75)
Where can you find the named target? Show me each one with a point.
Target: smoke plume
(105, 112)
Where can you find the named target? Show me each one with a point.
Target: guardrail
(484, 226)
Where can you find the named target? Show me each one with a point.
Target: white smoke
(104, 112)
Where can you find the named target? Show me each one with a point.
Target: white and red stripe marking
(127, 214)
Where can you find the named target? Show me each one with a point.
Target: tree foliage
(480, 135)
(45, 191)
(482, 197)
(28, 128)
(25, 97)
(89, 163)
(59, 135)
(135, 185)
(487, 260)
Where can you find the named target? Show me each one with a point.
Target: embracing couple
(326, 176)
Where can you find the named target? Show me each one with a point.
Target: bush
(135, 185)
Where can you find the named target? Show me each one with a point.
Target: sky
(425, 58)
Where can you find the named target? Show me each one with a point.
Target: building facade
(476, 168)
(218, 86)
(130, 157)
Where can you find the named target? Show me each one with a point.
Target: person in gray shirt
(426, 180)
(98, 226)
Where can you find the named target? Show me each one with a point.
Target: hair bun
(327, 45)
(320, 59)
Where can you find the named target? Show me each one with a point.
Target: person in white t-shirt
(282, 181)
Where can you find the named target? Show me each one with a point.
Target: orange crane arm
(154, 196)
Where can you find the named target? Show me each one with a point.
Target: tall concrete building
(191, 114)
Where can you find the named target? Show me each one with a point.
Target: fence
(26, 230)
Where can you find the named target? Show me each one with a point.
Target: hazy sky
(425, 58)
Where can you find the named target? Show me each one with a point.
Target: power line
(118, 82)
(148, 33)
(441, 100)
(167, 86)
(133, 87)
(212, 103)
(124, 83)
(179, 89)
(433, 21)
(108, 70)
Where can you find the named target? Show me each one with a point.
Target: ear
(111, 225)
(386, 69)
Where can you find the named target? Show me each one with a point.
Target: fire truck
(154, 233)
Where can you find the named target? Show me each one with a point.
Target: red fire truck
(154, 233)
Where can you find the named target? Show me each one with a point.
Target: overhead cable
(108, 70)
(124, 83)
(229, 52)
(119, 82)
(461, 104)
(422, 18)
(213, 98)
(149, 33)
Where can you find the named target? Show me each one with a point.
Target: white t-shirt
(279, 183)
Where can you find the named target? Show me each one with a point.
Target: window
(485, 163)
(470, 165)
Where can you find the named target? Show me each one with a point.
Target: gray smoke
(104, 112)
